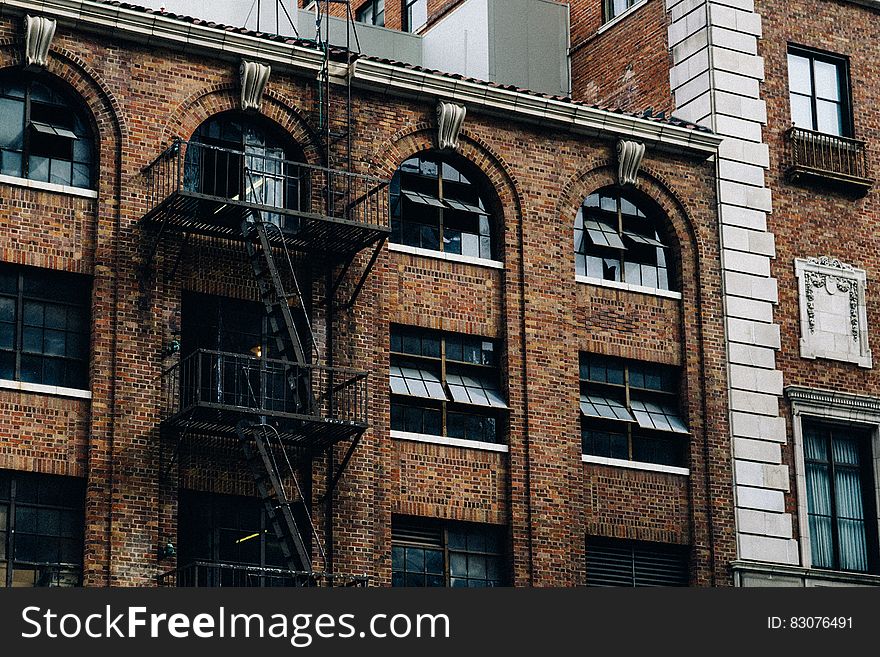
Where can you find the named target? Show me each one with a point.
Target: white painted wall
(460, 42)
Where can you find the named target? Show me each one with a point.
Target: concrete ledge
(452, 442)
(48, 187)
(449, 257)
(58, 391)
(755, 573)
(641, 289)
(635, 465)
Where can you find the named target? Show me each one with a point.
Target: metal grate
(629, 563)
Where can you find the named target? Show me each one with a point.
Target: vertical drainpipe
(328, 507)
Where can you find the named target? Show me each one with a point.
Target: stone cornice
(161, 31)
(833, 398)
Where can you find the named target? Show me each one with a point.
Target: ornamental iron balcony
(209, 190)
(827, 157)
(203, 574)
(208, 392)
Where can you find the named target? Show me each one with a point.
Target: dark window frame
(637, 438)
(443, 208)
(52, 135)
(376, 9)
(841, 62)
(868, 492)
(622, 231)
(435, 538)
(11, 502)
(608, 12)
(21, 298)
(407, 15)
(440, 366)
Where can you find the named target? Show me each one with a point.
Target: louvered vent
(628, 563)
(417, 532)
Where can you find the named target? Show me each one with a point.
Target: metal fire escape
(287, 411)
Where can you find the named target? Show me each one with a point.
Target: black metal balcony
(202, 574)
(208, 190)
(208, 392)
(829, 158)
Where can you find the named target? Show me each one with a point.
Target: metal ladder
(279, 311)
(255, 440)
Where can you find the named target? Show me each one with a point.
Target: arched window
(244, 158)
(437, 205)
(617, 238)
(44, 133)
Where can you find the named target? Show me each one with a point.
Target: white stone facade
(715, 80)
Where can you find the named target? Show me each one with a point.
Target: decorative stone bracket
(254, 77)
(450, 118)
(629, 159)
(834, 318)
(38, 34)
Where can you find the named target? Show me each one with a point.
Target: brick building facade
(606, 450)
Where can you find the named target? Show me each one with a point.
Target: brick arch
(653, 186)
(419, 138)
(224, 97)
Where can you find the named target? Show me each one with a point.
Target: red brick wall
(627, 65)
(810, 220)
(143, 97)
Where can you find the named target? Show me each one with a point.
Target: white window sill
(450, 257)
(641, 289)
(614, 21)
(23, 386)
(635, 465)
(48, 187)
(453, 442)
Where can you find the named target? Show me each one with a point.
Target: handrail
(838, 158)
(247, 383)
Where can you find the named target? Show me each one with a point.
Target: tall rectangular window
(445, 384)
(41, 530)
(426, 552)
(44, 326)
(630, 411)
(415, 14)
(840, 497)
(819, 92)
(372, 12)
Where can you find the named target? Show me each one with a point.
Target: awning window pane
(455, 204)
(476, 391)
(637, 238)
(602, 234)
(416, 382)
(423, 199)
(593, 405)
(659, 417)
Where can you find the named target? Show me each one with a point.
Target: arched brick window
(618, 237)
(44, 131)
(439, 202)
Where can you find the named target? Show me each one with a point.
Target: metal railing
(245, 383)
(265, 181)
(202, 574)
(823, 154)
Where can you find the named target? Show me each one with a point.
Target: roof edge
(156, 29)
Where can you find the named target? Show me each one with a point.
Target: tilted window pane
(660, 417)
(593, 405)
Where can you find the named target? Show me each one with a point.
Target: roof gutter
(155, 30)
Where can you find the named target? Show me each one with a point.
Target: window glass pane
(799, 74)
(827, 80)
(11, 123)
(38, 168)
(829, 118)
(10, 163)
